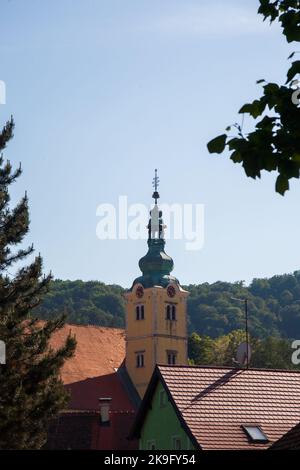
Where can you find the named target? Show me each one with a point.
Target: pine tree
(31, 391)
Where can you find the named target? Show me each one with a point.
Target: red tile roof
(214, 402)
(99, 351)
(91, 373)
(96, 371)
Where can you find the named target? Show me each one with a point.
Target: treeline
(216, 320)
(274, 306)
(85, 303)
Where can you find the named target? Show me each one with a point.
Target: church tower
(156, 318)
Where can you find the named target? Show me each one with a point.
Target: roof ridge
(42, 320)
(95, 326)
(198, 366)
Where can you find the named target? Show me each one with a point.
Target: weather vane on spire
(155, 184)
(156, 226)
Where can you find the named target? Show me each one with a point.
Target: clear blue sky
(103, 92)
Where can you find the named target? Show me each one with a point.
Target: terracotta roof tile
(96, 371)
(99, 351)
(215, 403)
(91, 373)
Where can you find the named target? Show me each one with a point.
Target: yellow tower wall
(154, 336)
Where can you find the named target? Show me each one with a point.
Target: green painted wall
(161, 426)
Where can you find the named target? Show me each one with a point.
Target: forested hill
(274, 305)
(86, 303)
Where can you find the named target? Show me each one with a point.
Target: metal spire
(155, 184)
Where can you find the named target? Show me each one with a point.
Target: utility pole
(245, 301)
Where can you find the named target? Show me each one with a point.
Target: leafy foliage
(31, 392)
(216, 321)
(84, 303)
(266, 353)
(274, 305)
(287, 13)
(274, 144)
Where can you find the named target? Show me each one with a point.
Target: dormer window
(139, 312)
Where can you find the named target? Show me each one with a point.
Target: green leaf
(246, 108)
(255, 109)
(233, 144)
(267, 123)
(282, 184)
(269, 161)
(293, 70)
(296, 158)
(261, 80)
(290, 23)
(271, 88)
(268, 9)
(291, 55)
(251, 166)
(290, 168)
(217, 145)
(236, 157)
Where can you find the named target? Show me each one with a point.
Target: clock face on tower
(171, 291)
(139, 292)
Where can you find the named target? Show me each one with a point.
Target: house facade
(162, 428)
(217, 408)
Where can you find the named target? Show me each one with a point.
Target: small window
(139, 312)
(140, 360)
(173, 315)
(171, 357)
(176, 443)
(168, 312)
(104, 414)
(171, 312)
(255, 434)
(162, 398)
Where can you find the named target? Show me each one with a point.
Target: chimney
(104, 404)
